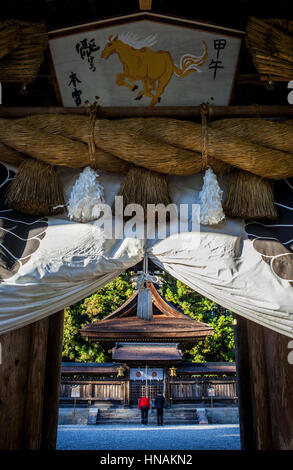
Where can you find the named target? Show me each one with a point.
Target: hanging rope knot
(94, 108)
(210, 196)
(139, 280)
(204, 112)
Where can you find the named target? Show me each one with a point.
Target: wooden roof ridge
(130, 305)
(164, 306)
(125, 309)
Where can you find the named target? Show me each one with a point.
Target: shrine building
(147, 337)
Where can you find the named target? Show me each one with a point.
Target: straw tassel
(210, 197)
(250, 197)
(143, 187)
(36, 190)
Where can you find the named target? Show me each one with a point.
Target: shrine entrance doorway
(145, 381)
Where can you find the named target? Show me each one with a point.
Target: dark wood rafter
(179, 112)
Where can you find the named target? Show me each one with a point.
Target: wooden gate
(138, 389)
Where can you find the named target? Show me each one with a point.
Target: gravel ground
(138, 437)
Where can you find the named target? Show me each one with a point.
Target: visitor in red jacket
(144, 405)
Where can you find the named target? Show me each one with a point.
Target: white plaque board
(211, 392)
(75, 392)
(145, 62)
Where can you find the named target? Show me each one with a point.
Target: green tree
(218, 347)
(93, 308)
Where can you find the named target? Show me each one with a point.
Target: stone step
(189, 423)
(137, 418)
(133, 416)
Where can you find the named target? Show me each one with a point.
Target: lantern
(172, 371)
(120, 371)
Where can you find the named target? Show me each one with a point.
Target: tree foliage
(93, 308)
(218, 347)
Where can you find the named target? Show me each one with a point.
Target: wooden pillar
(22, 385)
(33, 414)
(167, 386)
(280, 386)
(272, 386)
(260, 389)
(29, 384)
(52, 381)
(244, 391)
(13, 379)
(127, 393)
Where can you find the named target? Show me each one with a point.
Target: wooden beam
(145, 4)
(185, 112)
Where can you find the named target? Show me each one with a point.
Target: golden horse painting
(153, 68)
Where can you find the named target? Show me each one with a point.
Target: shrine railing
(202, 389)
(177, 389)
(90, 390)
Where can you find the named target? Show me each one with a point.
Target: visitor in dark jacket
(144, 406)
(159, 404)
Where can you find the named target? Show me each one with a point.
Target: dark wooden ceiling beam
(185, 112)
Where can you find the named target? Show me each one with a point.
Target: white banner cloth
(59, 262)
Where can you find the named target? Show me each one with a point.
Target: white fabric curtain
(63, 272)
(232, 274)
(73, 260)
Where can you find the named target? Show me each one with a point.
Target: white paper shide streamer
(210, 197)
(86, 195)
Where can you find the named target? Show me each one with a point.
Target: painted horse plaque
(145, 60)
